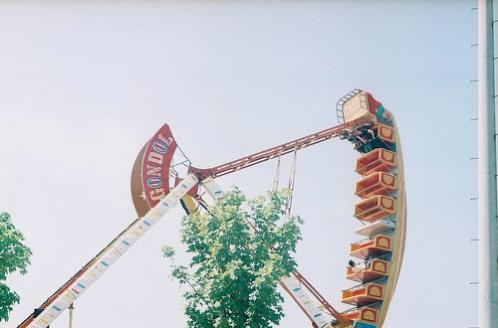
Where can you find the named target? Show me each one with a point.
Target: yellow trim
(388, 179)
(190, 204)
(388, 156)
(368, 315)
(374, 291)
(398, 239)
(386, 133)
(383, 242)
(386, 202)
(380, 266)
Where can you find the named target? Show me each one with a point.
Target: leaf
(168, 251)
(14, 257)
(233, 272)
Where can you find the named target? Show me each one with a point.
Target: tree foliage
(239, 251)
(14, 256)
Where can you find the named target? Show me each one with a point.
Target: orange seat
(365, 313)
(378, 245)
(363, 294)
(377, 160)
(386, 133)
(378, 183)
(375, 208)
(375, 269)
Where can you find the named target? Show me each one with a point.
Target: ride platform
(378, 183)
(377, 160)
(375, 136)
(363, 294)
(379, 245)
(374, 270)
(375, 208)
(366, 314)
(376, 227)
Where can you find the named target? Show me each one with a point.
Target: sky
(83, 85)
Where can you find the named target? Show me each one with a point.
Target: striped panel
(112, 254)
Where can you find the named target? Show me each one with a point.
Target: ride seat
(378, 183)
(376, 246)
(365, 313)
(386, 133)
(377, 160)
(375, 208)
(363, 294)
(375, 269)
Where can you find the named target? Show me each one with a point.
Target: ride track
(382, 210)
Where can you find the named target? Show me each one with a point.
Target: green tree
(239, 252)
(14, 256)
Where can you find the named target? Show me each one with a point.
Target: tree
(240, 251)
(14, 256)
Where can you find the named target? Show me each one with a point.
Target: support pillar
(488, 225)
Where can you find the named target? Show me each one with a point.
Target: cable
(276, 177)
(292, 179)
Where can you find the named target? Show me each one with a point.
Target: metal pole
(488, 227)
(71, 309)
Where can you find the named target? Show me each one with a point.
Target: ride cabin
(376, 259)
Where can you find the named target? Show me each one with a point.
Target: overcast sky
(84, 85)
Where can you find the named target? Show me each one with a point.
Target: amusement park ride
(157, 186)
